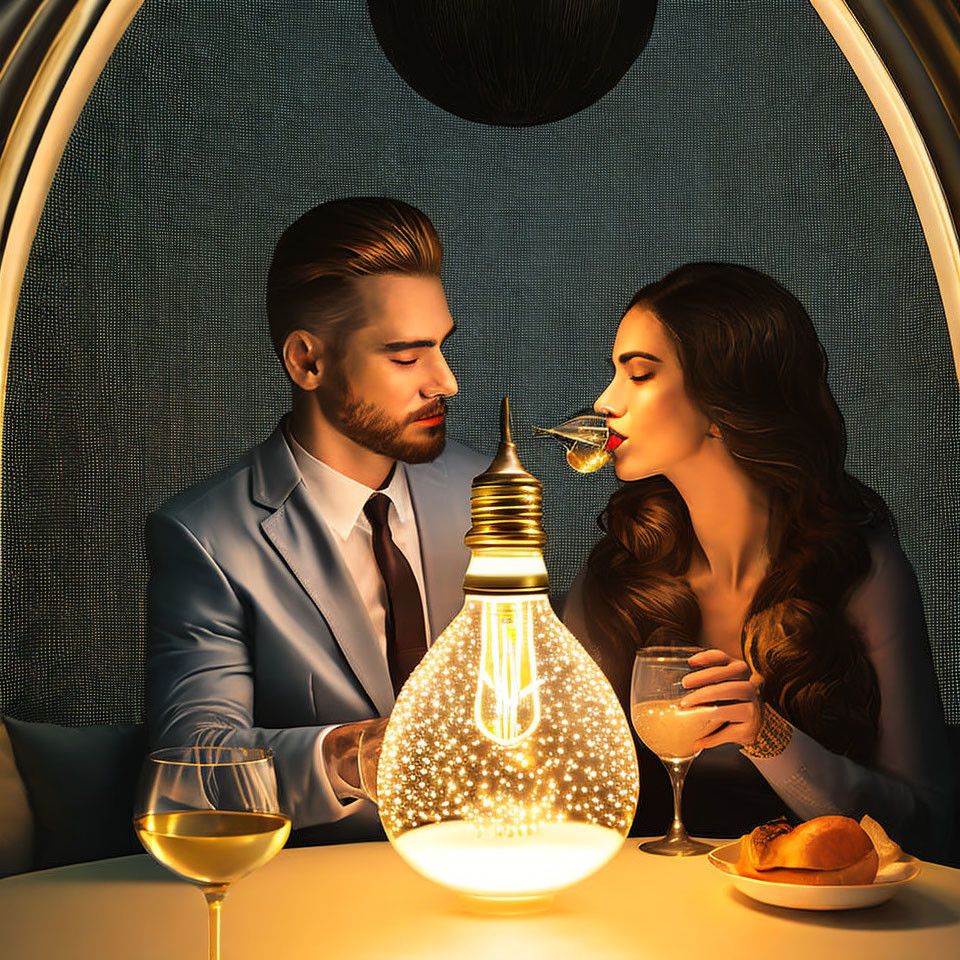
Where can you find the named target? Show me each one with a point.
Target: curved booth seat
(66, 796)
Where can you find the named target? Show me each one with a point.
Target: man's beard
(372, 427)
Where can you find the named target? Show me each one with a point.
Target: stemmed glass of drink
(586, 439)
(655, 691)
(211, 815)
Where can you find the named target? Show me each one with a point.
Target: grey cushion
(80, 782)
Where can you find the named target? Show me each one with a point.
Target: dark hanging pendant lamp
(512, 62)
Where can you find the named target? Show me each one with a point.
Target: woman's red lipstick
(614, 441)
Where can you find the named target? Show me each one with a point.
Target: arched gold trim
(15, 49)
(927, 191)
(53, 132)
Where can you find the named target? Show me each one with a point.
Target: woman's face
(646, 402)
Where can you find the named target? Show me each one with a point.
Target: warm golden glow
(500, 564)
(508, 768)
(507, 707)
(557, 855)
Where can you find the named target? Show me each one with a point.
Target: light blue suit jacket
(256, 634)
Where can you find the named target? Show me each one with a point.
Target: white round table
(360, 902)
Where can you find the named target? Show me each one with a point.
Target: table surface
(360, 901)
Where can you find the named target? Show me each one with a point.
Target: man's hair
(312, 283)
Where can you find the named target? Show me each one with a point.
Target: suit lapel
(298, 533)
(444, 557)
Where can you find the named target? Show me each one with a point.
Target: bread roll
(862, 872)
(825, 850)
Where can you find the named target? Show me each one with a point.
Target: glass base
(506, 906)
(671, 846)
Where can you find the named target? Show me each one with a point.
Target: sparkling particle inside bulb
(508, 768)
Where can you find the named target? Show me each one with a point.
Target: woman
(739, 530)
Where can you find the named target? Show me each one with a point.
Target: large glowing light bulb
(508, 770)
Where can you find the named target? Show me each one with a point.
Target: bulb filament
(507, 705)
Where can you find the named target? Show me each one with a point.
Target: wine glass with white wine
(656, 688)
(211, 815)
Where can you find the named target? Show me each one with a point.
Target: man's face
(387, 392)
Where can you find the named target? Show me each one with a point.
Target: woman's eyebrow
(633, 354)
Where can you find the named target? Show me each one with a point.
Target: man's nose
(444, 383)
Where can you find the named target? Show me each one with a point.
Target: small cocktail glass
(585, 439)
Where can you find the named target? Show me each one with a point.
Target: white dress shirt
(340, 501)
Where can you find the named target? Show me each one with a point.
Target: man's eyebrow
(398, 346)
(633, 354)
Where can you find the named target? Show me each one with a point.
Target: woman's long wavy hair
(752, 362)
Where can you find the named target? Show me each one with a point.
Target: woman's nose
(604, 403)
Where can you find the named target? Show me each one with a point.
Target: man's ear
(303, 358)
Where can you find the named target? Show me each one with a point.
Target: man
(292, 594)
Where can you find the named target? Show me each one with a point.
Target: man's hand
(352, 752)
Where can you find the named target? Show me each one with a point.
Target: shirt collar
(340, 499)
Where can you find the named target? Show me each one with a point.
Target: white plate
(808, 896)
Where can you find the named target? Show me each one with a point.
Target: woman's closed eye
(403, 363)
(640, 377)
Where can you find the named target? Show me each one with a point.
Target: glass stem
(214, 896)
(677, 769)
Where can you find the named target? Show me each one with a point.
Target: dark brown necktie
(406, 634)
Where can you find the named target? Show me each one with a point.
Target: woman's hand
(718, 678)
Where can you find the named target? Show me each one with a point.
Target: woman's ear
(303, 358)
(713, 432)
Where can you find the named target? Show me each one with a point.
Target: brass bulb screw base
(506, 537)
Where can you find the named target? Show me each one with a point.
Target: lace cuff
(773, 737)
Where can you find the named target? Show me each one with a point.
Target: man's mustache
(433, 409)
